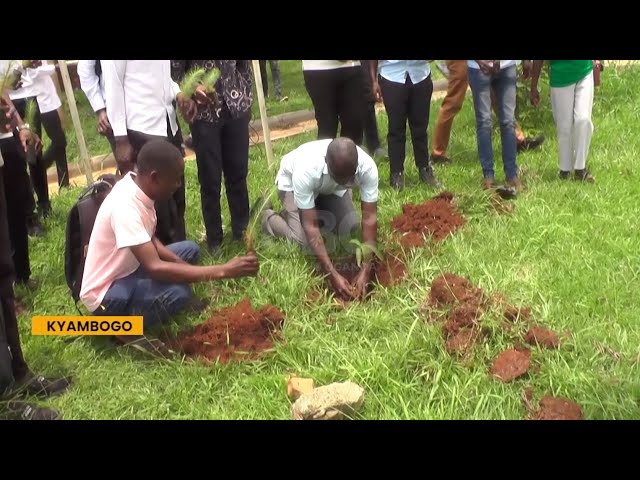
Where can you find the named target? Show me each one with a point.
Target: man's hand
(534, 96)
(27, 137)
(104, 127)
(246, 266)
(340, 285)
(526, 69)
(362, 281)
(125, 155)
(597, 64)
(376, 90)
(187, 106)
(486, 66)
(201, 96)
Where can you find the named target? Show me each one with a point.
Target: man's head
(160, 169)
(342, 160)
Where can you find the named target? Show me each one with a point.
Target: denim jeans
(504, 83)
(137, 294)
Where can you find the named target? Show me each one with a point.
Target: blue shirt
(397, 70)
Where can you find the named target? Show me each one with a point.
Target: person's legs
(369, 121)
(418, 116)
(235, 166)
(322, 88)
(582, 124)
(351, 103)
(57, 151)
(481, 90)
(505, 87)
(285, 224)
(265, 78)
(275, 75)
(395, 96)
(562, 105)
(207, 145)
(451, 105)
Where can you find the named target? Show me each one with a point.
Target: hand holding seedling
(341, 285)
(361, 282)
(201, 96)
(187, 106)
(244, 266)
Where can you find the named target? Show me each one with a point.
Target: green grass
(569, 251)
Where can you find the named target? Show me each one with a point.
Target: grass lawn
(569, 251)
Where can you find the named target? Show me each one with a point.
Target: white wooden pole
(68, 88)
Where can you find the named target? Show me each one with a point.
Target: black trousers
(369, 121)
(17, 199)
(412, 102)
(223, 148)
(12, 363)
(337, 96)
(171, 226)
(57, 150)
(38, 171)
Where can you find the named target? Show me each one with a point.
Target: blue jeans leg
(481, 90)
(505, 86)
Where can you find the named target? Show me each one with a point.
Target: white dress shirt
(47, 95)
(92, 85)
(139, 96)
(304, 172)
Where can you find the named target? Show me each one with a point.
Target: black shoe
(41, 386)
(563, 175)
(531, 143)
(426, 176)
(440, 159)
(26, 411)
(34, 226)
(584, 176)
(397, 181)
(29, 284)
(44, 211)
(196, 305)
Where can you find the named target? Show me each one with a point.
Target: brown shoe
(488, 183)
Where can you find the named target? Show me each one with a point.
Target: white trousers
(572, 113)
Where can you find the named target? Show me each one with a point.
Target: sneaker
(531, 143)
(41, 386)
(397, 181)
(26, 411)
(426, 176)
(583, 176)
(440, 159)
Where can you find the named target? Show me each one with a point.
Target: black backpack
(79, 227)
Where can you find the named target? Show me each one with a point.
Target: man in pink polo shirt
(128, 271)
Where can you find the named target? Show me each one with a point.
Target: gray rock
(330, 402)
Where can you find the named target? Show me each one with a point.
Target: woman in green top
(571, 100)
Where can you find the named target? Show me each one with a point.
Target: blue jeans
(137, 294)
(504, 84)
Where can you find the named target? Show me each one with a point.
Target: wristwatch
(24, 126)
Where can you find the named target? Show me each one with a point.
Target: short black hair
(343, 151)
(158, 155)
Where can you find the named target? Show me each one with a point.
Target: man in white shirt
(314, 183)
(92, 84)
(48, 104)
(139, 96)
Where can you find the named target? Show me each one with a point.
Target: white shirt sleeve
(90, 84)
(113, 72)
(175, 89)
(303, 193)
(368, 178)
(128, 228)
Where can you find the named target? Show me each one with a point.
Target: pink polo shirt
(127, 217)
